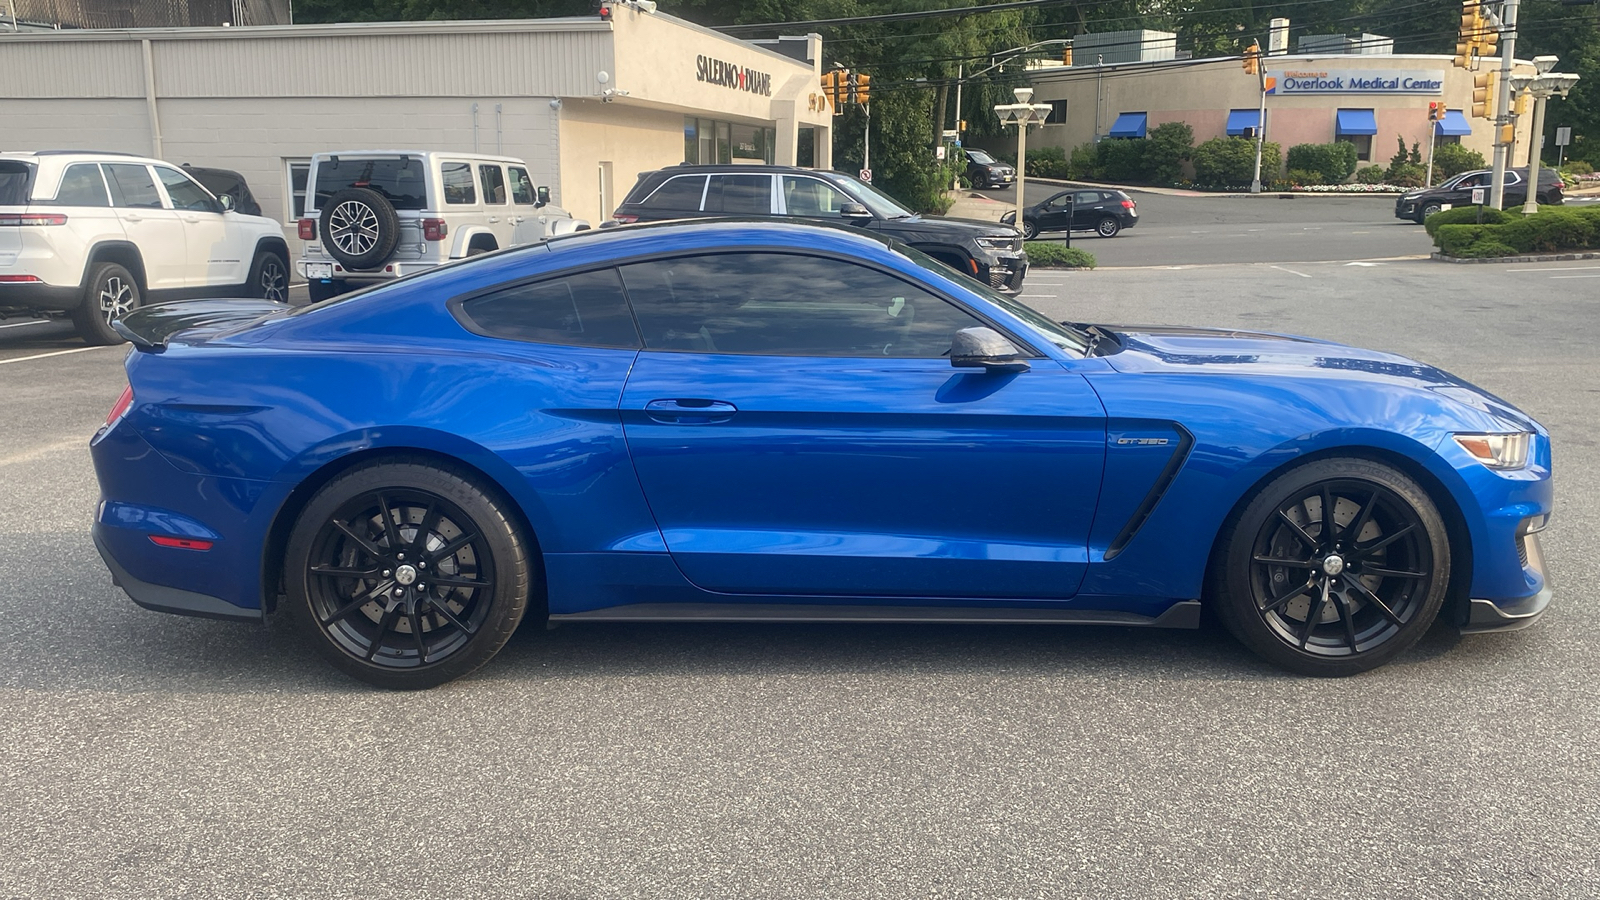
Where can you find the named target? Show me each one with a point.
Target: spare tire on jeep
(359, 228)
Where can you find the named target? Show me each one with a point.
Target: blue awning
(1357, 121)
(1240, 119)
(1454, 123)
(1129, 125)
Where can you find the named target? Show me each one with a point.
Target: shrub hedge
(1230, 161)
(1331, 163)
(1552, 230)
(1468, 215)
(1052, 255)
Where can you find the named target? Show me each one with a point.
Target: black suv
(1101, 211)
(984, 171)
(1457, 191)
(990, 252)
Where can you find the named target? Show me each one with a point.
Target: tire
(321, 290)
(384, 530)
(1107, 227)
(269, 276)
(1427, 210)
(359, 228)
(1030, 230)
(1366, 597)
(110, 293)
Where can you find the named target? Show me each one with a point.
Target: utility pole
(1503, 117)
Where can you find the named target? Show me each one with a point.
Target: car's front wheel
(1428, 210)
(110, 294)
(1334, 568)
(407, 575)
(1030, 229)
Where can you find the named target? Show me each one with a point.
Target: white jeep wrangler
(374, 215)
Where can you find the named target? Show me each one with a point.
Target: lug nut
(422, 565)
(400, 556)
(399, 592)
(386, 573)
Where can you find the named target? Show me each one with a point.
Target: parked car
(226, 183)
(1457, 191)
(986, 251)
(376, 215)
(775, 421)
(97, 235)
(984, 171)
(1104, 212)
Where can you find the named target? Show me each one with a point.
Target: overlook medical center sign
(1356, 81)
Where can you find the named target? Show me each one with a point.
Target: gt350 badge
(1143, 442)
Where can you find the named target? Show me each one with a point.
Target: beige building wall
(1202, 94)
(604, 147)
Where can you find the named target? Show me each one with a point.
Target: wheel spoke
(338, 572)
(1377, 601)
(1363, 551)
(461, 583)
(1313, 615)
(416, 632)
(1360, 521)
(388, 523)
(1330, 526)
(441, 609)
(384, 624)
(1299, 532)
(1391, 573)
(346, 610)
(1298, 592)
(454, 547)
(1290, 563)
(363, 543)
(1349, 620)
(430, 521)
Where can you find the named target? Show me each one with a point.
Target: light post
(1022, 114)
(1541, 87)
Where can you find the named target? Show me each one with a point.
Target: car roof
(69, 155)
(747, 229)
(425, 154)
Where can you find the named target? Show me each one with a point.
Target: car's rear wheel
(1334, 568)
(110, 294)
(1030, 229)
(407, 575)
(269, 276)
(1107, 227)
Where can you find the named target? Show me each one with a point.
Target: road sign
(1477, 196)
(938, 152)
(1563, 137)
(950, 134)
(866, 175)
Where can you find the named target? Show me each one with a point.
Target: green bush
(1081, 164)
(1052, 255)
(1550, 231)
(1169, 146)
(1406, 175)
(1578, 167)
(1329, 163)
(1121, 160)
(1453, 159)
(1467, 215)
(1403, 157)
(1047, 162)
(1370, 175)
(1230, 162)
(1301, 177)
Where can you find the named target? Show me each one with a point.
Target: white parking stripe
(1559, 277)
(55, 353)
(26, 324)
(1562, 269)
(1290, 271)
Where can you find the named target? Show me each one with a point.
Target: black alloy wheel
(1030, 229)
(269, 277)
(1108, 227)
(1335, 568)
(407, 575)
(110, 294)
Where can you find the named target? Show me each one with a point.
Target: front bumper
(1006, 273)
(1513, 615)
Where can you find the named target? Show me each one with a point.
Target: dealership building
(1367, 99)
(589, 102)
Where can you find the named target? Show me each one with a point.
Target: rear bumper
(386, 272)
(160, 598)
(46, 297)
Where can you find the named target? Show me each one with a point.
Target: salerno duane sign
(1356, 81)
(726, 74)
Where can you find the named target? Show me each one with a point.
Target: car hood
(938, 227)
(1254, 354)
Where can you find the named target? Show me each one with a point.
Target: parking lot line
(52, 353)
(1559, 277)
(1290, 271)
(26, 324)
(1562, 269)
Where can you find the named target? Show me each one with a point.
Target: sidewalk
(973, 205)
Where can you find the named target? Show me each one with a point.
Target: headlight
(997, 243)
(1497, 451)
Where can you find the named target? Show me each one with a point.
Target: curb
(1535, 258)
(1181, 192)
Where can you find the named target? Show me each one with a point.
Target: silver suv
(95, 235)
(373, 215)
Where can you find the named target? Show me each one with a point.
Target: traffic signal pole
(1502, 148)
(1261, 125)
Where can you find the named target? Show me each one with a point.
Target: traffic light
(1252, 58)
(1508, 134)
(1483, 95)
(1435, 112)
(1066, 56)
(836, 85)
(1519, 106)
(1467, 39)
(860, 88)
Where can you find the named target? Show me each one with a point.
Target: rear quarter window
(403, 181)
(681, 192)
(15, 178)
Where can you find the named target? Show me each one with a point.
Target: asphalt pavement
(147, 756)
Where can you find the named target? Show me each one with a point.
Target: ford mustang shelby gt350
(770, 421)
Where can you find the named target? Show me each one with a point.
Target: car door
(216, 253)
(1087, 208)
(496, 203)
(798, 430)
(739, 195)
(1056, 214)
(528, 223)
(154, 229)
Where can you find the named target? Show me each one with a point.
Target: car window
(586, 310)
(979, 156)
(779, 304)
(1086, 198)
(1512, 178)
(131, 186)
(184, 192)
(14, 179)
(1061, 199)
(740, 195)
(522, 186)
(812, 197)
(81, 185)
(493, 179)
(680, 192)
(402, 180)
(458, 187)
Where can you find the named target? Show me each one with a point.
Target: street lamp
(1541, 87)
(1022, 114)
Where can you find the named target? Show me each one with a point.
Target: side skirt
(1183, 614)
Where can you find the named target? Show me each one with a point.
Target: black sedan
(1101, 211)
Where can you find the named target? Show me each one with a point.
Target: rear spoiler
(150, 328)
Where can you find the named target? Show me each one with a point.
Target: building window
(707, 142)
(1363, 144)
(1058, 113)
(296, 172)
(1443, 139)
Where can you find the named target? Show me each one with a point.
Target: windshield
(1062, 336)
(882, 205)
(14, 178)
(979, 156)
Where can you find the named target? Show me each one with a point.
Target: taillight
(434, 229)
(121, 406)
(161, 540)
(308, 229)
(32, 219)
(1127, 204)
(625, 220)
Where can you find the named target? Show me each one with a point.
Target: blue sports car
(765, 421)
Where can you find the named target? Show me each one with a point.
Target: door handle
(191, 218)
(128, 218)
(689, 411)
(493, 219)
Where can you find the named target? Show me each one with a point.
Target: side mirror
(227, 202)
(542, 195)
(985, 348)
(854, 211)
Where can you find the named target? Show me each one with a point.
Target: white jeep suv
(374, 215)
(95, 235)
